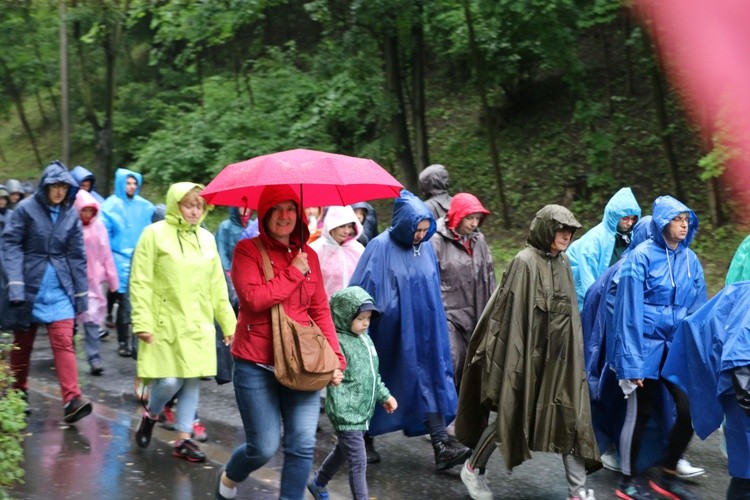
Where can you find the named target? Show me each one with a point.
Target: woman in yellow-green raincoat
(177, 290)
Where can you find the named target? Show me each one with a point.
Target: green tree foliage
(12, 423)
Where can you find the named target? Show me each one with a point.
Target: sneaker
(686, 470)
(318, 492)
(96, 367)
(373, 457)
(188, 450)
(583, 494)
(76, 409)
(167, 418)
(450, 453)
(476, 483)
(667, 485)
(632, 489)
(199, 432)
(143, 434)
(103, 333)
(124, 350)
(611, 461)
(217, 490)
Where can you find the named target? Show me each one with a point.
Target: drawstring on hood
(666, 208)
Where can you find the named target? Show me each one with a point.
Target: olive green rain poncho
(525, 358)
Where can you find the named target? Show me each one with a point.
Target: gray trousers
(350, 448)
(92, 341)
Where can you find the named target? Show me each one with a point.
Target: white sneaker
(583, 494)
(611, 461)
(686, 470)
(476, 483)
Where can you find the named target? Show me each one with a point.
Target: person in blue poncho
(660, 283)
(602, 246)
(87, 181)
(127, 215)
(710, 361)
(400, 271)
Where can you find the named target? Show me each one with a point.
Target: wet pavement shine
(97, 458)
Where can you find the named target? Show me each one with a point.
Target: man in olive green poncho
(525, 361)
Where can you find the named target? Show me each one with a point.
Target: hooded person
(658, 285)
(368, 217)
(337, 248)
(602, 245)
(400, 271)
(15, 190)
(228, 234)
(127, 215)
(434, 183)
(5, 209)
(467, 274)
(710, 361)
(525, 361)
(265, 405)
(45, 263)
(87, 181)
(739, 268)
(100, 269)
(178, 291)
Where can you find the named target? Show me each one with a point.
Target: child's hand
(390, 404)
(338, 376)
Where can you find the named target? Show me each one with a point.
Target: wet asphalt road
(97, 458)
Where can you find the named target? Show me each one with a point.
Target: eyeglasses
(680, 219)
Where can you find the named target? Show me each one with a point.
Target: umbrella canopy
(319, 178)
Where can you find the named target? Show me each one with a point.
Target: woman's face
(341, 233)
(281, 220)
(191, 210)
(561, 241)
(469, 224)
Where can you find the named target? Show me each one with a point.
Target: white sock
(227, 492)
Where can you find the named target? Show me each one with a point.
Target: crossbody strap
(277, 311)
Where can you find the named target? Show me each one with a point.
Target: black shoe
(670, 486)
(75, 410)
(631, 488)
(143, 434)
(373, 457)
(450, 453)
(27, 408)
(188, 450)
(124, 350)
(103, 333)
(96, 367)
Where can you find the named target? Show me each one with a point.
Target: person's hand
(637, 381)
(300, 262)
(147, 337)
(390, 404)
(338, 376)
(228, 340)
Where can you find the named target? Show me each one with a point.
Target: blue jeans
(187, 391)
(350, 448)
(264, 406)
(92, 341)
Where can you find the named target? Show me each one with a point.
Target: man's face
(421, 231)
(86, 185)
(131, 185)
(677, 229)
(626, 223)
(57, 192)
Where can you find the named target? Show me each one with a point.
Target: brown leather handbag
(303, 359)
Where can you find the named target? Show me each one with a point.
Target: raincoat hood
(338, 216)
(547, 221)
(272, 196)
(641, 233)
(160, 212)
(622, 204)
(55, 173)
(121, 180)
(14, 186)
(464, 204)
(175, 194)
(344, 306)
(434, 180)
(235, 217)
(81, 174)
(85, 200)
(408, 212)
(665, 208)
(4, 192)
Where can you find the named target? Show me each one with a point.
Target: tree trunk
(490, 127)
(602, 35)
(715, 207)
(418, 71)
(394, 92)
(64, 86)
(628, 29)
(660, 106)
(12, 90)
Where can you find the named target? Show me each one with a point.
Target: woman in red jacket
(263, 402)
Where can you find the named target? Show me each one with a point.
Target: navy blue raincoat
(81, 174)
(43, 256)
(411, 334)
(707, 346)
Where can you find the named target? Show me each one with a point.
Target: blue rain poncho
(590, 254)
(707, 346)
(411, 334)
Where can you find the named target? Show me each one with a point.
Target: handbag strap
(277, 311)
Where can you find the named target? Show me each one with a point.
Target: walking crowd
(604, 349)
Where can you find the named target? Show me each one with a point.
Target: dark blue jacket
(32, 241)
(81, 174)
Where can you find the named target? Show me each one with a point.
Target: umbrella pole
(302, 220)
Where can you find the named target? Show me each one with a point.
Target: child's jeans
(350, 448)
(92, 341)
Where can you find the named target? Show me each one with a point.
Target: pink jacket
(100, 266)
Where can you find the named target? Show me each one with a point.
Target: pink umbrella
(319, 178)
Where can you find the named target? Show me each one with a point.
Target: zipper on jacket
(372, 370)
